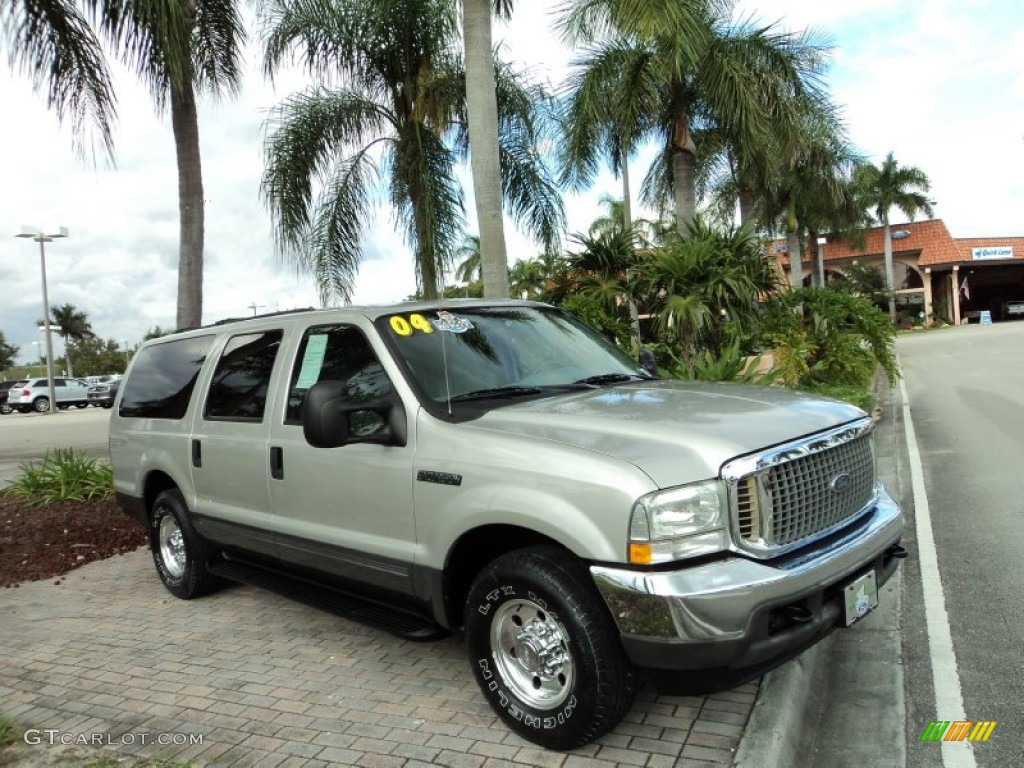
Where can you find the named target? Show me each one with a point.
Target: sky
(936, 82)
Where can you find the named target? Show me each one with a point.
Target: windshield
(502, 352)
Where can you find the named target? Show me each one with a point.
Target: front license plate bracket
(860, 597)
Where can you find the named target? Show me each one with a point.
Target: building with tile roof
(948, 278)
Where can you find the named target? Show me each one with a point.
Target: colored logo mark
(958, 730)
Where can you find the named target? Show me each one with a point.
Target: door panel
(347, 510)
(229, 451)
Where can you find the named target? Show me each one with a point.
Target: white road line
(949, 702)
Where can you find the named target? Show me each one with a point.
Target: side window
(335, 353)
(163, 377)
(59, 383)
(241, 380)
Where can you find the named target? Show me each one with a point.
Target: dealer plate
(860, 597)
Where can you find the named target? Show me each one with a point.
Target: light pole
(35, 233)
(127, 353)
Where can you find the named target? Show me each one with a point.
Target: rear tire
(544, 649)
(179, 553)
(81, 405)
(42, 405)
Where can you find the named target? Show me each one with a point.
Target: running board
(406, 625)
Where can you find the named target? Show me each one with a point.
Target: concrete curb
(790, 699)
(787, 703)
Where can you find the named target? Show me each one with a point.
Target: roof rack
(227, 320)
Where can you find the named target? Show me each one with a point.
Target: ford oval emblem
(841, 482)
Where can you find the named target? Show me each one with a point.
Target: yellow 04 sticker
(407, 326)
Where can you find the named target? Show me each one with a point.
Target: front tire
(179, 553)
(545, 650)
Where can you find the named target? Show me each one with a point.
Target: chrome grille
(803, 499)
(792, 495)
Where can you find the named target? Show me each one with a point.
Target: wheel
(107, 405)
(179, 553)
(42, 404)
(545, 650)
(5, 409)
(81, 405)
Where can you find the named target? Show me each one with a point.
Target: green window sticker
(312, 361)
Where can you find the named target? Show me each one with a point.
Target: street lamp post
(35, 233)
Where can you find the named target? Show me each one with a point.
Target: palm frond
(53, 44)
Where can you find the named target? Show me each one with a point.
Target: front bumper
(738, 613)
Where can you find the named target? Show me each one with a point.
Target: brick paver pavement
(257, 680)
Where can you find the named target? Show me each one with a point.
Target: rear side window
(240, 382)
(163, 378)
(336, 353)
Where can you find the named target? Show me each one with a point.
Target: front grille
(794, 495)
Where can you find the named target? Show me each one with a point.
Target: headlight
(678, 522)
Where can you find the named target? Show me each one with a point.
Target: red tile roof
(930, 241)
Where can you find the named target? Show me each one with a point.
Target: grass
(9, 731)
(63, 475)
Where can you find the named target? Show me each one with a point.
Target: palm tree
(177, 49)
(482, 109)
(51, 41)
(707, 284)
(527, 278)
(71, 323)
(398, 117)
(470, 259)
(581, 18)
(679, 84)
(887, 187)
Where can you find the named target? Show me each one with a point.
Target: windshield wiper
(611, 378)
(497, 392)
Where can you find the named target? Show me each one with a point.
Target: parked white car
(34, 395)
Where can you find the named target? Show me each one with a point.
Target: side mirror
(330, 419)
(647, 361)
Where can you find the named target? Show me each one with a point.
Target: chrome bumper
(721, 613)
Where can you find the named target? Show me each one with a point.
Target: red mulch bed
(47, 540)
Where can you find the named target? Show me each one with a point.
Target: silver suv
(501, 468)
(34, 394)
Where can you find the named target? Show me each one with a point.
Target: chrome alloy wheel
(172, 546)
(531, 651)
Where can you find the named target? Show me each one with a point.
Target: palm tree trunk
(185, 122)
(889, 279)
(67, 358)
(627, 223)
(684, 163)
(482, 109)
(796, 266)
(747, 201)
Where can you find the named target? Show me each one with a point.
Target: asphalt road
(25, 436)
(967, 404)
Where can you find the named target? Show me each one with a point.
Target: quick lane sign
(997, 252)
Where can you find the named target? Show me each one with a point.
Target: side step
(407, 625)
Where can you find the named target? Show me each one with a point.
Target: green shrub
(730, 365)
(63, 475)
(9, 731)
(829, 337)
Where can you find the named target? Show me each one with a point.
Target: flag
(965, 290)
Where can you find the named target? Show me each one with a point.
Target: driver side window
(335, 353)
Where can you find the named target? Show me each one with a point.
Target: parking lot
(25, 436)
(247, 678)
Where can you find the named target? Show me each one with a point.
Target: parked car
(104, 394)
(34, 394)
(498, 466)
(1013, 310)
(5, 388)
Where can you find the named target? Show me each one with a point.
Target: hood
(675, 431)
